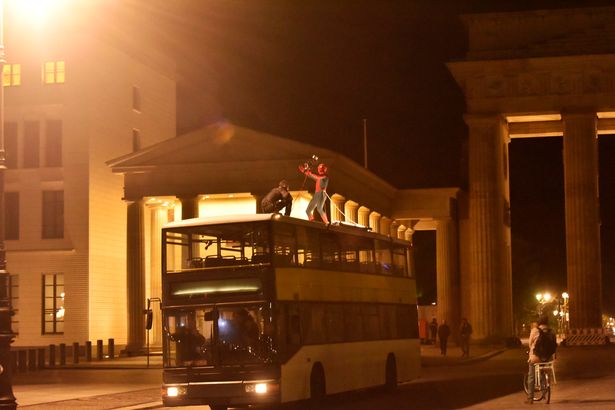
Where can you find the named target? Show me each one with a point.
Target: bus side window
(293, 335)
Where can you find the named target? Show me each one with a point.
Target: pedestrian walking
(444, 332)
(465, 330)
(433, 328)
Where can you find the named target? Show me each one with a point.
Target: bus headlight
(261, 388)
(174, 391)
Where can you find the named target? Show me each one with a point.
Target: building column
(363, 216)
(158, 217)
(374, 221)
(447, 273)
(351, 209)
(337, 208)
(393, 228)
(401, 232)
(582, 219)
(385, 225)
(135, 272)
(487, 291)
(409, 235)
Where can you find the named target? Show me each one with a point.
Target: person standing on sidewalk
(465, 330)
(444, 332)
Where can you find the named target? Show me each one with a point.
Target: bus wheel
(390, 375)
(318, 386)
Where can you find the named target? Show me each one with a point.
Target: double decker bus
(266, 309)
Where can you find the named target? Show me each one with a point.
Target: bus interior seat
(196, 262)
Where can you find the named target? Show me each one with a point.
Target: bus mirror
(149, 318)
(211, 316)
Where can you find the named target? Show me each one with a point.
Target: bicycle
(544, 372)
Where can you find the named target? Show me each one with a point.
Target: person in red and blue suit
(320, 195)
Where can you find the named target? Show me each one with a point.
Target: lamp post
(7, 399)
(543, 299)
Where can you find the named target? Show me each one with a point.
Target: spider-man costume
(320, 195)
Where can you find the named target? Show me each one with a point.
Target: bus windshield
(218, 336)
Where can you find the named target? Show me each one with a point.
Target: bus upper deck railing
(231, 262)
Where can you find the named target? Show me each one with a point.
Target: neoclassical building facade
(533, 74)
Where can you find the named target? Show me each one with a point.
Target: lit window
(54, 72)
(53, 303)
(11, 75)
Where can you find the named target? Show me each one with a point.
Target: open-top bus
(263, 308)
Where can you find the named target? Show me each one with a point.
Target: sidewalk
(431, 356)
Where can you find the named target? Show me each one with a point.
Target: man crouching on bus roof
(278, 198)
(320, 195)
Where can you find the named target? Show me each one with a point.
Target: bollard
(22, 360)
(88, 351)
(75, 352)
(111, 348)
(41, 358)
(62, 354)
(52, 355)
(99, 349)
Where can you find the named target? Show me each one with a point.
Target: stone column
(374, 221)
(487, 296)
(385, 225)
(337, 208)
(135, 272)
(408, 235)
(363, 216)
(582, 219)
(447, 274)
(158, 216)
(393, 228)
(351, 210)
(401, 232)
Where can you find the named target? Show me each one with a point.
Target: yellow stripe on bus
(327, 286)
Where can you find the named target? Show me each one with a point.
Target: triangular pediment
(217, 143)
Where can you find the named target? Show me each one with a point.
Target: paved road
(585, 376)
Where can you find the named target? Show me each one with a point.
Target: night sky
(313, 70)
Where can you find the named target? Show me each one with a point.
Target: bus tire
(390, 373)
(318, 385)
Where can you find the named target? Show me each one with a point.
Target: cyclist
(533, 359)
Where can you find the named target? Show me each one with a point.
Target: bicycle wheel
(527, 391)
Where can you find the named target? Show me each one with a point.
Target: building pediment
(219, 143)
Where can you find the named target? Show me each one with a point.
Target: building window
(11, 215)
(53, 303)
(53, 143)
(136, 140)
(10, 144)
(14, 286)
(31, 144)
(11, 75)
(136, 98)
(54, 72)
(53, 214)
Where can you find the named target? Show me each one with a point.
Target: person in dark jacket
(277, 199)
(465, 330)
(444, 331)
(433, 329)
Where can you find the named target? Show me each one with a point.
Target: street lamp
(542, 298)
(7, 399)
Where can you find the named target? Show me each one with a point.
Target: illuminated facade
(74, 98)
